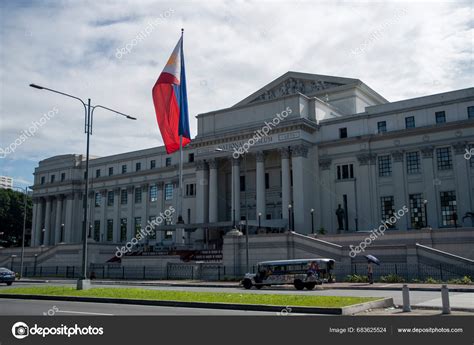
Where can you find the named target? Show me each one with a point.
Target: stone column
(213, 193)
(327, 213)
(260, 184)
(236, 190)
(103, 214)
(116, 234)
(144, 214)
(430, 192)
(69, 218)
(130, 213)
(47, 222)
(301, 180)
(400, 190)
(202, 192)
(37, 221)
(285, 182)
(59, 219)
(463, 183)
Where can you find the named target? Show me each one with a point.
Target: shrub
(392, 278)
(464, 280)
(416, 281)
(322, 231)
(431, 280)
(355, 278)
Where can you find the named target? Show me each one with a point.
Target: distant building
(6, 182)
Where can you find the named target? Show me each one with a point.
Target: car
(6, 276)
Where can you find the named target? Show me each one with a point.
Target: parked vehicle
(6, 276)
(302, 273)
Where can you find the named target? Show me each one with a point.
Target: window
(387, 209)
(385, 166)
(42, 179)
(153, 193)
(417, 211)
(63, 177)
(413, 162)
(97, 173)
(98, 199)
(168, 161)
(123, 229)
(138, 225)
(169, 191)
(190, 189)
(267, 180)
(382, 126)
(110, 229)
(191, 157)
(97, 230)
(242, 183)
(410, 122)
(448, 207)
(443, 156)
(110, 198)
(152, 164)
(123, 196)
(168, 235)
(470, 112)
(53, 177)
(138, 166)
(471, 159)
(138, 195)
(153, 232)
(440, 117)
(345, 171)
(124, 168)
(111, 171)
(343, 132)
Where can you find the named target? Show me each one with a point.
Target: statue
(340, 213)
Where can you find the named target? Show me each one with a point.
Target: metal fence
(219, 272)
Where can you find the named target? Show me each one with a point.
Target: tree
(11, 217)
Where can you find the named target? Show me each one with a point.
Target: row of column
(46, 230)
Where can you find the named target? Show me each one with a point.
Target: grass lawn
(185, 296)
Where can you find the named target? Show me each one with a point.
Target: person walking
(370, 272)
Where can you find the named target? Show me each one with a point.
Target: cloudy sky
(401, 49)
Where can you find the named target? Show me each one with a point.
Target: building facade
(285, 157)
(6, 182)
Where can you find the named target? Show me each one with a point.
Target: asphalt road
(417, 298)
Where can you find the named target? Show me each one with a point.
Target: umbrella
(373, 259)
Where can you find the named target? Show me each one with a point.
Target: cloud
(231, 48)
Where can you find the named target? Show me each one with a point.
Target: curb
(381, 303)
(388, 288)
(431, 307)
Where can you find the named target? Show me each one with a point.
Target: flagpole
(180, 201)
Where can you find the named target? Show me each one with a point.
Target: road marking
(82, 312)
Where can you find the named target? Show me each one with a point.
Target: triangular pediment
(295, 82)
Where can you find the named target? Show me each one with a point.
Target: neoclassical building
(339, 143)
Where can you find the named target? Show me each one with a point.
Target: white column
(47, 222)
(213, 194)
(260, 184)
(326, 213)
(400, 190)
(285, 182)
(116, 234)
(144, 213)
(301, 198)
(103, 215)
(36, 223)
(463, 183)
(68, 228)
(130, 213)
(236, 190)
(202, 192)
(59, 218)
(430, 193)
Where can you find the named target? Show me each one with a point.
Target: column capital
(284, 153)
(103, 192)
(117, 190)
(299, 151)
(144, 186)
(325, 163)
(200, 165)
(260, 156)
(60, 197)
(427, 151)
(235, 162)
(130, 189)
(213, 164)
(397, 156)
(460, 147)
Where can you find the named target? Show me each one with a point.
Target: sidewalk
(233, 284)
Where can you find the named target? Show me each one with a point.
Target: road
(417, 298)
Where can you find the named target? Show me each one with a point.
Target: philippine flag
(171, 101)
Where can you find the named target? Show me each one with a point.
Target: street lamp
(36, 260)
(62, 234)
(425, 203)
(312, 220)
(43, 233)
(83, 282)
(289, 217)
(259, 217)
